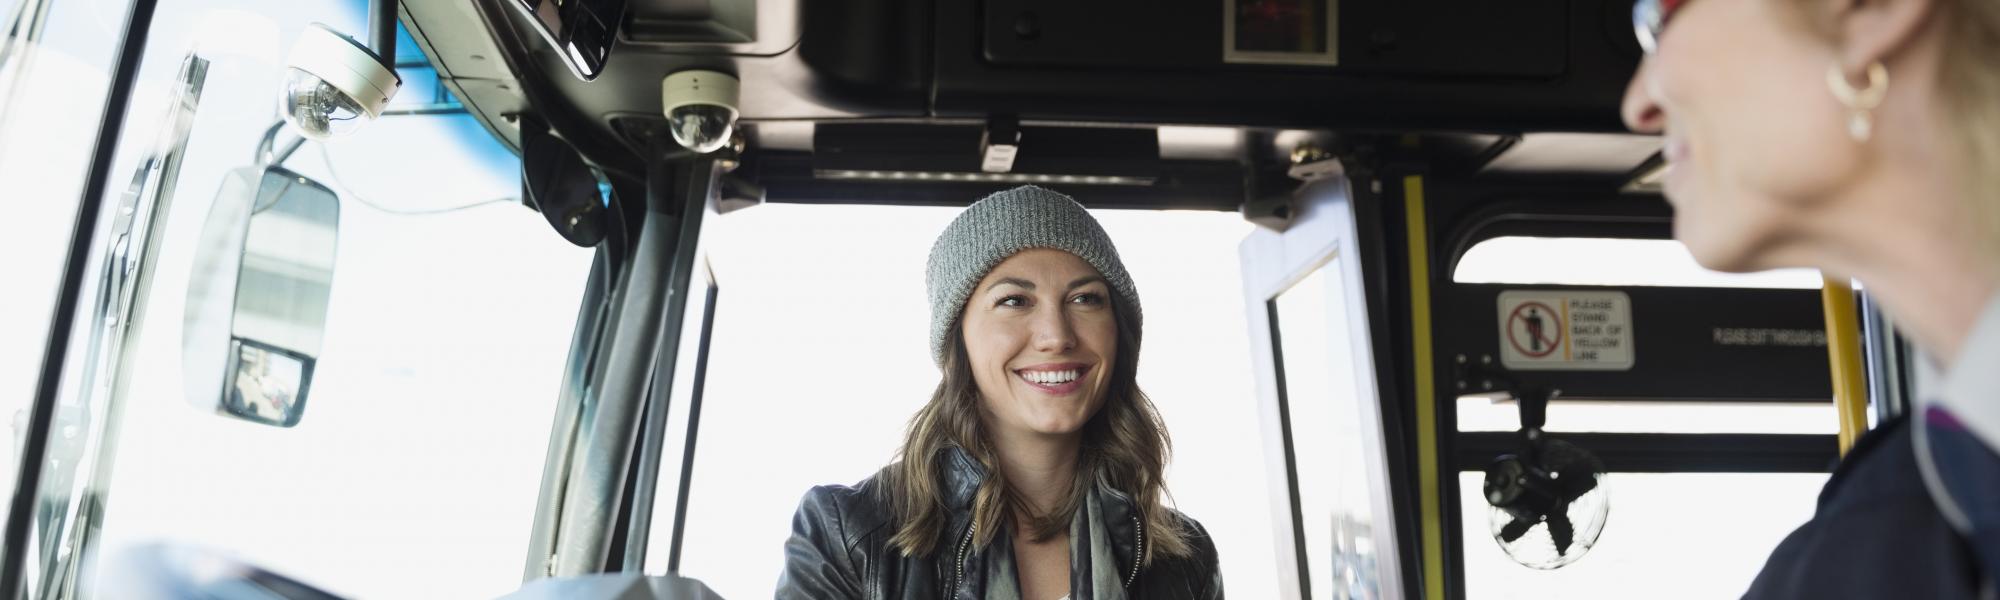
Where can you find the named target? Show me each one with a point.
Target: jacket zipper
(964, 547)
(1139, 555)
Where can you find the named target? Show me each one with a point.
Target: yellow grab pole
(1843, 348)
(1429, 503)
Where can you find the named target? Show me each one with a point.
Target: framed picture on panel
(1281, 32)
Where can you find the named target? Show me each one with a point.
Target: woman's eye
(1012, 301)
(1092, 298)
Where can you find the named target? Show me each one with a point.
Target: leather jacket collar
(961, 475)
(841, 547)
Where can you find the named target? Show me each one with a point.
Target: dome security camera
(701, 108)
(333, 84)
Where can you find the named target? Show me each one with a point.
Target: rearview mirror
(582, 31)
(257, 300)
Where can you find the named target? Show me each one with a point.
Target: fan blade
(1514, 530)
(1577, 482)
(1573, 468)
(1561, 531)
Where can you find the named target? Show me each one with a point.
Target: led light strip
(982, 177)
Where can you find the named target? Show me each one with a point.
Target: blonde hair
(1968, 94)
(1969, 90)
(1125, 446)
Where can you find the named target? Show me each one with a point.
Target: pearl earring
(1860, 121)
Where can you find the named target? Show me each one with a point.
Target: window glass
(1608, 261)
(1669, 535)
(415, 469)
(1662, 526)
(52, 83)
(1325, 418)
(820, 357)
(1490, 413)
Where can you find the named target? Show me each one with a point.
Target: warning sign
(1561, 330)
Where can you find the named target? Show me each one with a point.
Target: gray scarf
(1094, 574)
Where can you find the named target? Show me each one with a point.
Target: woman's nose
(1641, 111)
(1052, 332)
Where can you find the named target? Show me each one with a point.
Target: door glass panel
(55, 69)
(1325, 421)
(1670, 535)
(414, 470)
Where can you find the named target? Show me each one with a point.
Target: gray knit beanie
(1001, 225)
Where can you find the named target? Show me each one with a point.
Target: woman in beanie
(1036, 470)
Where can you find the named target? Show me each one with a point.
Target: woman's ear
(1874, 31)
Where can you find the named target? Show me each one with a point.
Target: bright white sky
(415, 471)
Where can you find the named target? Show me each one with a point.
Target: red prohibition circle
(1548, 345)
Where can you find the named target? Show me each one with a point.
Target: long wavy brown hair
(1125, 445)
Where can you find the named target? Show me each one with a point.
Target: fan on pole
(1547, 502)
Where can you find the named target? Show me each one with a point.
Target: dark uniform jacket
(1876, 534)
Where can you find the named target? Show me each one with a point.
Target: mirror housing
(555, 180)
(258, 296)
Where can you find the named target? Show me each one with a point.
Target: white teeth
(1050, 377)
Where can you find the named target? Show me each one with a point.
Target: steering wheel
(164, 571)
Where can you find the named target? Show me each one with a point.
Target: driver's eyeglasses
(1649, 18)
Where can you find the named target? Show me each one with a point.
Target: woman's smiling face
(1041, 338)
(1754, 141)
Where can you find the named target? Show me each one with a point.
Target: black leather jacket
(840, 548)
